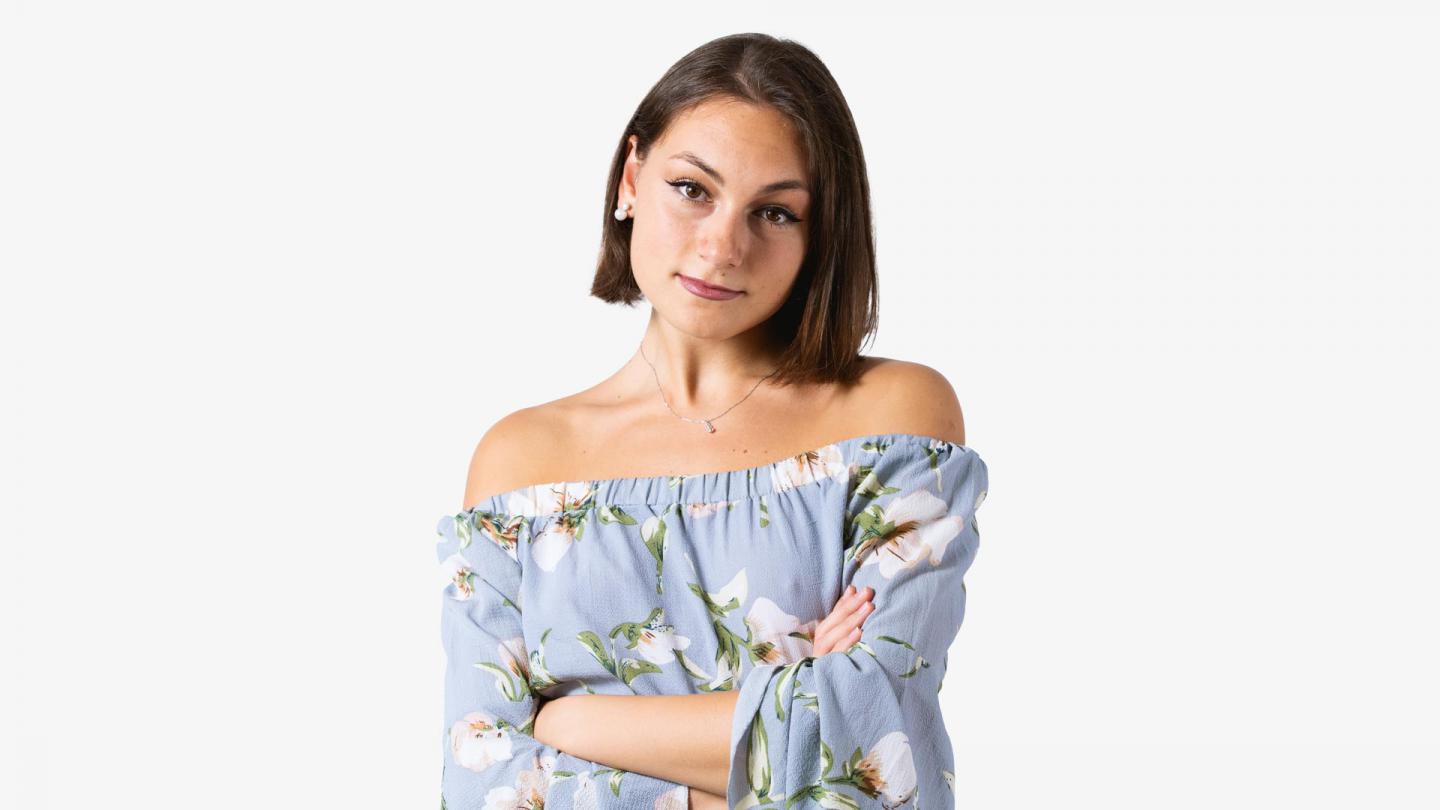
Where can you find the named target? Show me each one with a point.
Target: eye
(682, 184)
(786, 220)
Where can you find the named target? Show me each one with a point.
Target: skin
(707, 355)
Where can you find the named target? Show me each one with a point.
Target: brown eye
(786, 218)
(684, 184)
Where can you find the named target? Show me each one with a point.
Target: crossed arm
(686, 739)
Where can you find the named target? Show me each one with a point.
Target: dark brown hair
(832, 307)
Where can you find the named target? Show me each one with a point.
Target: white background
(270, 269)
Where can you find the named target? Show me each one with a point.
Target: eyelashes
(682, 183)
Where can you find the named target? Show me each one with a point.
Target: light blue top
(706, 582)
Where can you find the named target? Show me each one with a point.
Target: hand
(700, 800)
(841, 629)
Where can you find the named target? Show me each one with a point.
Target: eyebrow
(779, 185)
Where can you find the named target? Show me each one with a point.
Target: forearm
(684, 738)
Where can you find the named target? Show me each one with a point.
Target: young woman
(728, 574)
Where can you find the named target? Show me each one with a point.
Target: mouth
(706, 290)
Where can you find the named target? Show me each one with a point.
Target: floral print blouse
(715, 581)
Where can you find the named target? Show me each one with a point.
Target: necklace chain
(709, 428)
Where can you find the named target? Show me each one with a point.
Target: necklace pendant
(709, 428)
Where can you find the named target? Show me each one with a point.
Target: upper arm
(905, 397)
(505, 457)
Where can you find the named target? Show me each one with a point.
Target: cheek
(662, 232)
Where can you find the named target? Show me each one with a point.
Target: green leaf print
(572, 517)
(503, 530)
(920, 662)
(787, 675)
(907, 645)
(615, 776)
(627, 669)
(592, 642)
(867, 484)
(503, 679)
(632, 668)
(875, 532)
(614, 514)
(729, 644)
(462, 531)
(653, 535)
(758, 766)
(540, 677)
(823, 797)
(716, 610)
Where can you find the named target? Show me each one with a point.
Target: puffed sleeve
(490, 759)
(862, 728)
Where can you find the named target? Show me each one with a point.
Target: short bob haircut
(832, 307)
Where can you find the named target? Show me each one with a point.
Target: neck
(702, 376)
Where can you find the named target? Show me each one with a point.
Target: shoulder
(509, 455)
(899, 396)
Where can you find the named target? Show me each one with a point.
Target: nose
(721, 241)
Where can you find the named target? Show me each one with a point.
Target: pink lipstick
(711, 291)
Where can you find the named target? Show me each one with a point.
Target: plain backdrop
(270, 270)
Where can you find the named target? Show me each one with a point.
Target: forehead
(750, 143)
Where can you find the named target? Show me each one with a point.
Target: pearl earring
(623, 211)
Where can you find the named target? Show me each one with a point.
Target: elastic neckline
(685, 488)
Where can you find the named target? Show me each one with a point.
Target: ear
(632, 167)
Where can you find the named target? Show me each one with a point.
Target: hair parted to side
(832, 308)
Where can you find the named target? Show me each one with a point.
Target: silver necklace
(709, 428)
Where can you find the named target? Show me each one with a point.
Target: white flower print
(920, 529)
(514, 657)
(547, 499)
(529, 790)
(456, 570)
(584, 797)
(814, 465)
(552, 545)
(675, 798)
(737, 588)
(544, 499)
(769, 624)
(477, 743)
(658, 641)
(503, 798)
(723, 673)
(889, 770)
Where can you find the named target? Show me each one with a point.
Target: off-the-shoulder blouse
(715, 581)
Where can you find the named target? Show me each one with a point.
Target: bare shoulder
(507, 455)
(899, 396)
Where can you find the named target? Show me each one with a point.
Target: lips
(711, 292)
(707, 285)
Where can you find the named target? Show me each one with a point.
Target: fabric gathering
(706, 582)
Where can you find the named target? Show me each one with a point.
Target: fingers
(841, 629)
(853, 620)
(849, 602)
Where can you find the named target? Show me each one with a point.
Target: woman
(745, 558)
